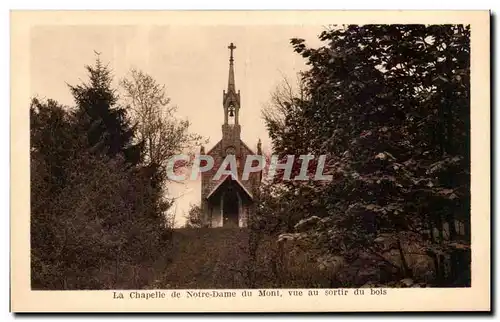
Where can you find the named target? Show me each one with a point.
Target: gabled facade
(228, 202)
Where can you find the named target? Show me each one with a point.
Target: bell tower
(228, 201)
(231, 129)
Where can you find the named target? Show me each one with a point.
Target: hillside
(206, 258)
(219, 258)
(209, 258)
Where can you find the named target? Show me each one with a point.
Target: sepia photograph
(250, 159)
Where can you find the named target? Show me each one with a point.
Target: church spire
(231, 98)
(230, 85)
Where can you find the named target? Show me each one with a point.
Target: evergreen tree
(389, 106)
(96, 221)
(106, 123)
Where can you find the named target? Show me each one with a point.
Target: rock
(407, 282)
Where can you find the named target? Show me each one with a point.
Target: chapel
(229, 201)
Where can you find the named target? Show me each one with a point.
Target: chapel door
(230, 208)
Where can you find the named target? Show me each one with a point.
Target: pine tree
(106, 123)
(95, 219)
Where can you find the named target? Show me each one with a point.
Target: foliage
(163, 134)
(97, 215)
(389, 106)
(99, 114)
(194, 217)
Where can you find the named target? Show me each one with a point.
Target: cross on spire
(231, 86)
(231, 47)
(231, 98)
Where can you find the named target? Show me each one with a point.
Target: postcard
(250, 161)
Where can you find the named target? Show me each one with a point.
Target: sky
(192, 62)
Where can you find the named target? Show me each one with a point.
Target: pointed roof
(247, 147)
(228, 178)
(231, 86)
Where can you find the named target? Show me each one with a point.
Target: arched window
(231, 115)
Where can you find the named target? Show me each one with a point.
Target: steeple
(230, 84)
(231, 98)
(231, 128)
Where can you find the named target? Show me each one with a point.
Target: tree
(193, 217)
(97, 110)
(97, 214)
(94, 219)
(388, 105)
(162, 133)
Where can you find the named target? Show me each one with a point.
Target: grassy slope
(217, 258)
(210, 258)
(206, 258)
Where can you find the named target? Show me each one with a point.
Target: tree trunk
(407, 272)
